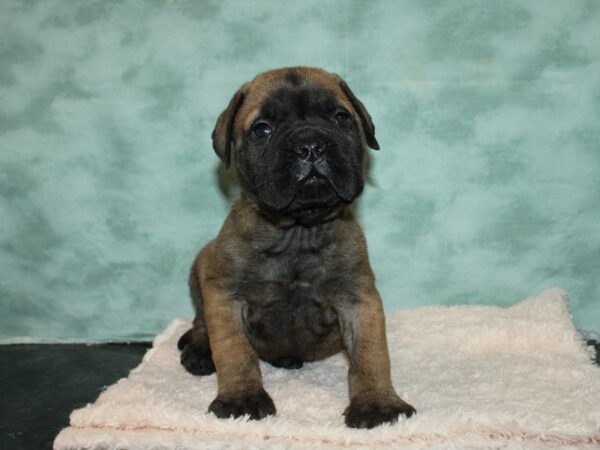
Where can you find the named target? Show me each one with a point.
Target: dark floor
(41, 384)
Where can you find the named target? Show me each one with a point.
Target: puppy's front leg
(373, 399)
(238, 373)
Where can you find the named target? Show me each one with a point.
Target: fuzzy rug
(479, 377)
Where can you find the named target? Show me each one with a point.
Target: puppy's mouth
(315, 201)
(314, 191)
(314, 180)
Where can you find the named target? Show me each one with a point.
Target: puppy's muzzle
(309, 148)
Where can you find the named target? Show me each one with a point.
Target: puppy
(288, 278)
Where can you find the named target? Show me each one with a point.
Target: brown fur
(252, 255)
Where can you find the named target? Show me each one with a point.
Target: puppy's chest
(290, 279)
(292, 291)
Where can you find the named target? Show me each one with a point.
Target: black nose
(310, 149)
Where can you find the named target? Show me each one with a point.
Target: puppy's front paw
(370, 413)
(257, 405)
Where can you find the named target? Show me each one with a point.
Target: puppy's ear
(365, 118)
(222, 135)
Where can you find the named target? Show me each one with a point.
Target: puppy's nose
(310, 149)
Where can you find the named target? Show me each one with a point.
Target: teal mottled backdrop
(487, 188)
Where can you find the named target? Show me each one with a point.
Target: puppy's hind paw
(185, 339)
(286, 362)
(197, 362)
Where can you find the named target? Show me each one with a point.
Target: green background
(486, 190)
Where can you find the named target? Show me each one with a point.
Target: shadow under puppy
(288, 279)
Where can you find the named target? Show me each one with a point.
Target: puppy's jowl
(288, 279)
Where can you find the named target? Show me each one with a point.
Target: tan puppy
(288, 278)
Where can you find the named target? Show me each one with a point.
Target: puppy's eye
(342, 119)
(261, 130)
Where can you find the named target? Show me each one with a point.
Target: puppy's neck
(249, 226)
(306, 219)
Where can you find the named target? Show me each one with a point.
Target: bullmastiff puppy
(287, 279)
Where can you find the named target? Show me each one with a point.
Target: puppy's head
(297, 136)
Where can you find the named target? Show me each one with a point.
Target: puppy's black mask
(302, 156)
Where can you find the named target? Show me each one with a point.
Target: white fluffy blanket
(479, 377)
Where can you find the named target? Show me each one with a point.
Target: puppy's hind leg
(196, 355)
